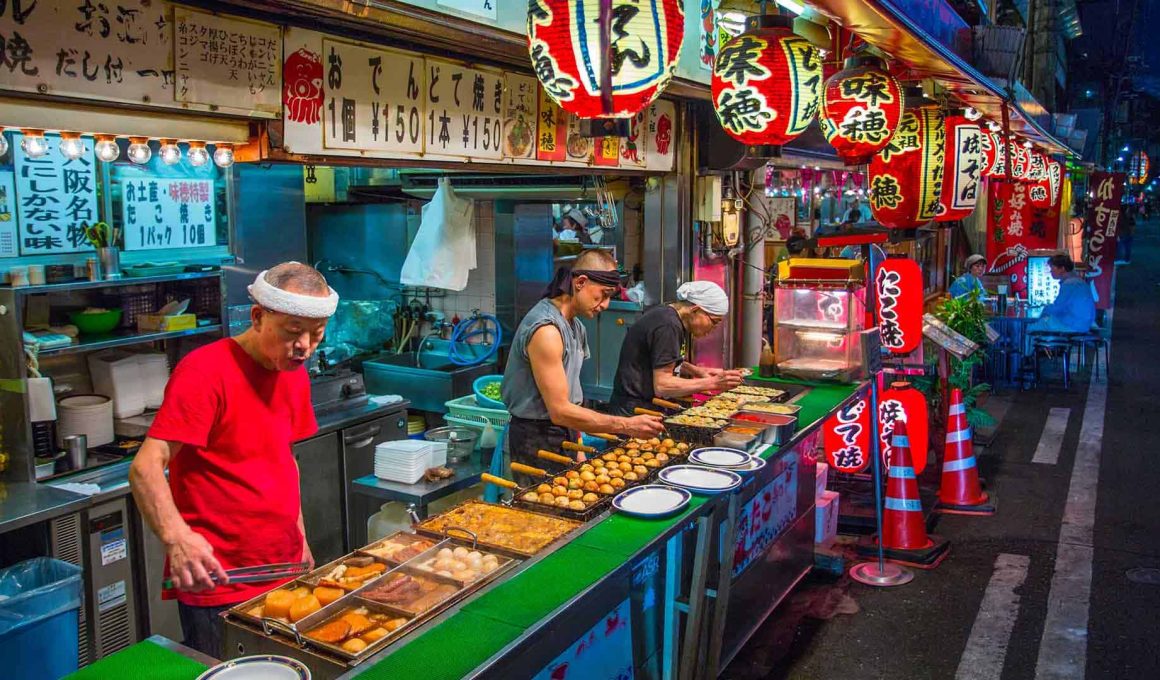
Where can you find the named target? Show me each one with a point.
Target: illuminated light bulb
(197, 154)
(139, 151)
(995, 127)
(223, 155)
(106, 148)
(1027, 144)
(170, 152)
(972, 113)
(71, 146)
(3, 143)
(34, 145)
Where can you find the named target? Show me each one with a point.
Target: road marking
(987, 646)
(1063, 648)
(1051, 440)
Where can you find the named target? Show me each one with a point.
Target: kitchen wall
(480, 291)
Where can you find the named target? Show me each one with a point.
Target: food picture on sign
(302, 94)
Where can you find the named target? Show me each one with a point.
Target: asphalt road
(834, 628)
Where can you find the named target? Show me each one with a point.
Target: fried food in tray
(399, 548)
(767, 392)
(575, 490)
(518, 531)
(410, 592)
(292, 603)
(347, 573)
(356, 629)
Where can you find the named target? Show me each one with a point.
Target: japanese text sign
(464, 110)
(8, 233)
(846, 437)
(168, 213)
(373, 97)
(226, 59)
(766, 516)
(900, 298)
(55, 198)
(903, 403)
(1103, 220)
(963, 174)
(1013, 229)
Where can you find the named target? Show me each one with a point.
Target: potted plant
(968, 317)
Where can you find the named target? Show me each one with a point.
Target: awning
(885, 26)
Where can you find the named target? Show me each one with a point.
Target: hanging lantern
(846, 437)
(643, 43)
(1138, 168)
(861, 109)
(898, 282)
(903, 402)
(1020, 161)
(767, 83)
(995, 155)
(906, 177)
(1039, 191)
(964, 169)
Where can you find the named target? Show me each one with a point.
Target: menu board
(55, 196)
(168, 213)
(7, 214)
(464, 111)
(226, 59)
(372, 98)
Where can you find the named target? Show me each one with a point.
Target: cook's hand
(727, 380)
(192, 566)
(307, 555)
(642, 427)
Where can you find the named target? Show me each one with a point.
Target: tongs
(258, 574)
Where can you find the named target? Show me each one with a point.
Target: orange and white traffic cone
(904, 537)
(960, 491)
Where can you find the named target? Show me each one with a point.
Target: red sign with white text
(1015, 227)
(1103, 219)
(846, 437)
(899, 296)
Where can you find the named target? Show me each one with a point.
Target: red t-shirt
(235, 480)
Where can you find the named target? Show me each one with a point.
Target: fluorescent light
(792, 6)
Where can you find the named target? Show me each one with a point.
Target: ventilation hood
(511, 186)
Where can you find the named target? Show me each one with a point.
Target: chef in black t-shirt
(651, 359)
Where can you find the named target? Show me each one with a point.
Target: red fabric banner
(1103, 219)
(1015, 227)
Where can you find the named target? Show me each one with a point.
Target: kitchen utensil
(667, 404)
(109, 262)
(646, 412)
(260, 573)
(720, 457)
(77, 450)
(460, 441)
(498, 481)
(651, 500)
(605, 437)
(262, 667)
(96, 323)
(555, 457)
(529, 470)
(700, 479)
(573, 446)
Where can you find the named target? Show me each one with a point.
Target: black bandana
(561, 283)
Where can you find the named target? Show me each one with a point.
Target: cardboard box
(821, 478)
(155, 323)
(826, 518)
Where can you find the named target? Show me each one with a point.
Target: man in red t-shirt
(231, 410)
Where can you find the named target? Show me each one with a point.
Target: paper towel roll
(41, 403)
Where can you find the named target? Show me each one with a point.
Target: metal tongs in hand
(258, 574)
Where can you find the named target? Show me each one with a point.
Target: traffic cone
(960, 491)
(904, 537)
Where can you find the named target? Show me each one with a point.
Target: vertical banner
(552, 130)
(900, 300)
(1013, 229)
(56, 196)
(846, 437)
(1103, 219)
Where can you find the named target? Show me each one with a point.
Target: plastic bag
(443, 252)
(36, 589)
(639, 295)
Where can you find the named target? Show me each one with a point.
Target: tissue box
(821, 477)
(163, 324)
(826, 518)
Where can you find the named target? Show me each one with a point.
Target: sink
(428, 386)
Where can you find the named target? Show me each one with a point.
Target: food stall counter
(157, 658)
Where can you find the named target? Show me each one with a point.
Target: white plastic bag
(443, 252)
(639, 295)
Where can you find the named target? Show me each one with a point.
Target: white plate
(720, 457)
(264, 667)
(700, 479)
(755, 464)
(651, 500)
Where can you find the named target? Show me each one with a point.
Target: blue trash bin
(40, 602)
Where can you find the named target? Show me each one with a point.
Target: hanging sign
(519, 125)
(552, 140)
(1013, 229)
(846, 437)
(963, 173)
(994, 155)
(903, 403)
(661, 136)
(373, 97)
(464, 110)
(226, 59)
(55, 197)
(168, 213)
(899, 296)
(861, 109)
(8, 229)
(632, 152)
(1104, 218)
(1138, 168)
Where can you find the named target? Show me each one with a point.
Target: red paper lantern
(645, 39)
(1020, 161)
(903, 402)
(767, 83)
(995, 155)
(898, 283)
(846, 437)
(861, 109)
(964, 169)
(1039, 191)
(906, 177)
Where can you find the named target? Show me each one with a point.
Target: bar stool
(1096, 339)
(1053, 345)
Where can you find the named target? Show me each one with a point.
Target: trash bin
(40, 602)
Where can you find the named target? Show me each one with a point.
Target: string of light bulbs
(35, 145)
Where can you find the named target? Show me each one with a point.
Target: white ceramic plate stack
(402, 461)
(721, 457)
(267, 667)
(702, 480)
(651, 500)
(87, 414)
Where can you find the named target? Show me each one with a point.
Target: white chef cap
(578, 217)
(706, 295)
(276, 299)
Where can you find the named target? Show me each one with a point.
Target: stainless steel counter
(333, 420)
(25, 503)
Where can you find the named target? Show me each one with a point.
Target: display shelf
(112, 283)
(812, 325)
(129, 338)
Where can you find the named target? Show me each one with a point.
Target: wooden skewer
(499, 481)
(646, 412)
(573, 446)
(666, 404)
(605, 437)
(555, 457)
(529, 470)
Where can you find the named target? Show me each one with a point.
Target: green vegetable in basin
(491, 391)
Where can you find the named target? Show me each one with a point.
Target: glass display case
(819, 314)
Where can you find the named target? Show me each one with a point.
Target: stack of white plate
(402, 461)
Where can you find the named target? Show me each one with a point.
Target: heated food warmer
(819, 314)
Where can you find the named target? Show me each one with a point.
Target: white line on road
(1047, 453)
(987, 646)
(1063, 648)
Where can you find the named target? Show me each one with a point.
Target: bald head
(295, 277)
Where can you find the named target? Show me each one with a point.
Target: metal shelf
(112, 283)
(119, 340)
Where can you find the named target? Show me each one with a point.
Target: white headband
(294, 304)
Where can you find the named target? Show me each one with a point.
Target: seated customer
(1074, 309)
(971, 280)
